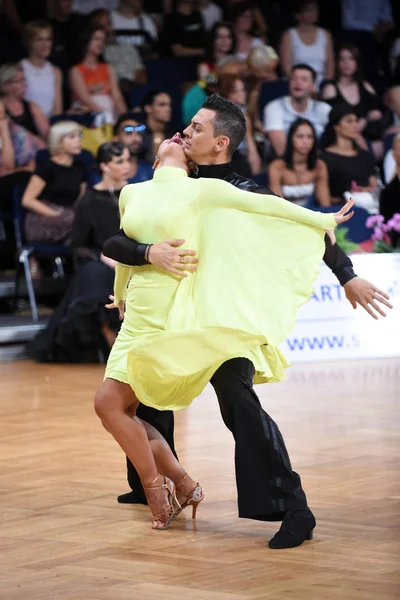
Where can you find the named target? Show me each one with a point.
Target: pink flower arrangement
(381, 229)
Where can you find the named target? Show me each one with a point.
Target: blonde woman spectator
(26, 115)
(308, 44)
(44, 80)
(261, 68)
(55, 186)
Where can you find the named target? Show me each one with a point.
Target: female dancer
(177, 332)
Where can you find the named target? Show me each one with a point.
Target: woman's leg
(115, 404)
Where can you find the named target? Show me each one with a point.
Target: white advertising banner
(328, 328)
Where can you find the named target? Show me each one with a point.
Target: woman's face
(223, 40)
(173, 148)
(238, 93)
(72, 142)
(347, 63)
(303, 139)
(119, 166)
(348, 127)
(16, 86)
(96, 44)
(42, 43)
(309, 14)
(244, 22)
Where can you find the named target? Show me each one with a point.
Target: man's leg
(163, 421)
(268, 488)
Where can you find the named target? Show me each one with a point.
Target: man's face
(65, 7)
(131, 134)
(161, 110)
(301, 84)
(200, 141)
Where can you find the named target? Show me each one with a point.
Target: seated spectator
(134, 27)
(308, 44)
(93, 82)
(261, 68)
(232, 88)
(44, 80)
(195, 97)
(129, 132)
(123, 58)
(55, 186)
(350, 169)
(393, 96)
(67, 27)
(244, 23)
(220, 46)
(17, 147)
(210, 12)
(390, 195)
(157, 108)
(82, 329)
(350, 88)
(300, 176)
(389, 164)
(27, 115)
(281, 113)
(183, 33)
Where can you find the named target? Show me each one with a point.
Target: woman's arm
(285, 52)
(252, 153)
(81, 91)
(30, 198)
(123, 274)
(58, 102)
(220, 194)
(41, 121)
(275, 176)
(321, 184)
(329, 92)
(202, 70)
(116, 94)
(7, 148)
(330, 57)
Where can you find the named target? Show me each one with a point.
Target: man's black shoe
(132, 498)
(297, 526)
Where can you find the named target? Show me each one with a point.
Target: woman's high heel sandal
(193, 499)
(161, 520)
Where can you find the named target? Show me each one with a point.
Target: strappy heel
(193, 499)
(161, 520)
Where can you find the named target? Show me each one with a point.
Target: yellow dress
(258, 259)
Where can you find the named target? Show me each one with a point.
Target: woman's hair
(354, 51)
(337, 113)
(95, 14)
(31, 30)
(213, 34)
(226, 84)
(260, 55)
(58, 131)
(84, 41)
(313, 155)
(107, 151)
(239, 8)
(301, 5)
(7, 72)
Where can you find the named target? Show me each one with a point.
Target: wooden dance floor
(63, 535)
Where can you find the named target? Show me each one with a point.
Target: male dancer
(268, 488)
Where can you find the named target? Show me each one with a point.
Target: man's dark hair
(229, 120)
(305, 67)
(128, 116)
(150, 97)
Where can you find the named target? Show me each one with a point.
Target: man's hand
(120, 306)
(168, 256)
(362, 292)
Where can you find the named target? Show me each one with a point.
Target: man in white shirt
(130, 17)
(281, 113)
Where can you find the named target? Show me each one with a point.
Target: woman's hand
(341, 217)
(120, 306)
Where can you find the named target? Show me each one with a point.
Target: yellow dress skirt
(258, 255)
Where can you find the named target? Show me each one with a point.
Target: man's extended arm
(124, 250)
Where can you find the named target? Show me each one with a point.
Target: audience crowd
(319, 87)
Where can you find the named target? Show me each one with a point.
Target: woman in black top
(81, 328)
(350, 169)
(26, 114)
(390, 195)
(349, 88)
(55, 187)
